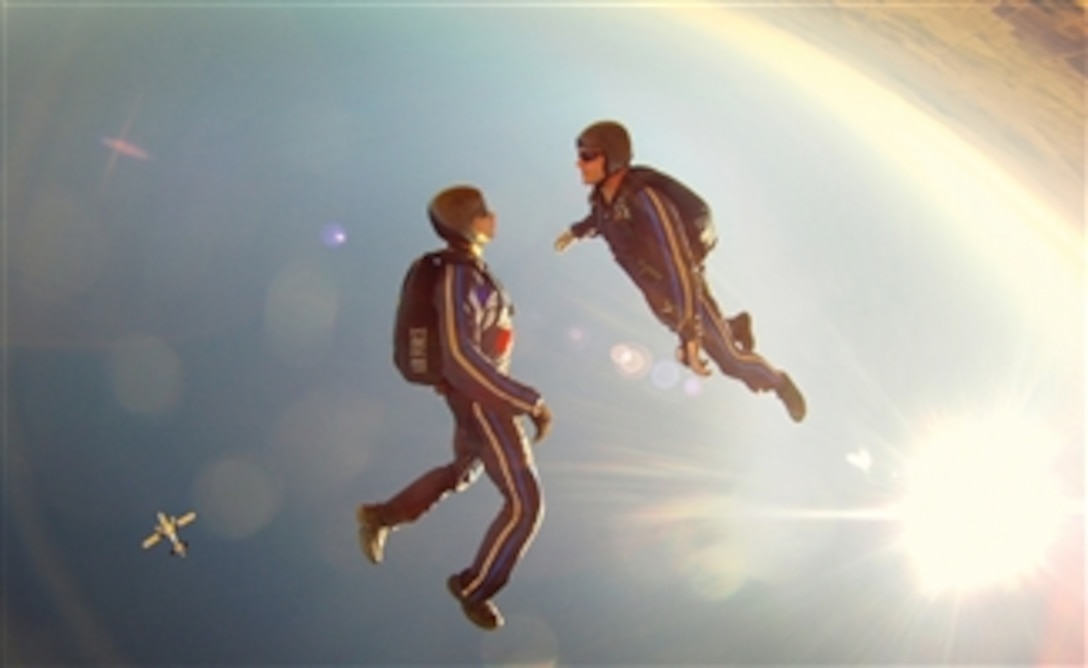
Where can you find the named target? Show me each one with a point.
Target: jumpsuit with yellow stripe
(476, 333)
(643, 231)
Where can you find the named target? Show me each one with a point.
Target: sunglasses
(588, 156)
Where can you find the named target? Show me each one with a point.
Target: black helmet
(611, 139)
(453, 210)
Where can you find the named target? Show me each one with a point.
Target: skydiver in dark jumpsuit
(476, 333)
(642, 229)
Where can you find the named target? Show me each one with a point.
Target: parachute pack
(694, 213)
(417, 350)
(417, 353)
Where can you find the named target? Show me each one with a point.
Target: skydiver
(476, 333)
(643, 231)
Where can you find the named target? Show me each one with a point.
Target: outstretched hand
(689, 353)
(564, 240)
(542, 421)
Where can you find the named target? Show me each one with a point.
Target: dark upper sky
(181, 335)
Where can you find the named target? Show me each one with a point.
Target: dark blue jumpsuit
(644, 233)
(477, 336)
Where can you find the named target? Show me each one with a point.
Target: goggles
(588, 156)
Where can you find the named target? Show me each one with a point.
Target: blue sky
(178, 336)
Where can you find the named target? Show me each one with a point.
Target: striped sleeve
(675, 257)
(464, 364)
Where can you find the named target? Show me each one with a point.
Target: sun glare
(1000, 217)
(983, 505)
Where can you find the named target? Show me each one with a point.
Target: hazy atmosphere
(207, 214)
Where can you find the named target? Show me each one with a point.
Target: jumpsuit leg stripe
(665, 231)
(499, 557)
(528, 491)
(748, 366)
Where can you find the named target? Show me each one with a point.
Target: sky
(208, 328)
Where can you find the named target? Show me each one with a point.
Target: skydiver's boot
(372, 532)
(791, 396)
(741, 325)
(484, 614)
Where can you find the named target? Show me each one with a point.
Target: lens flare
(631, 360)
(693, 386)
(238, 496)
(147, 375)
(665, 374)
(982, 505)
(334, 235)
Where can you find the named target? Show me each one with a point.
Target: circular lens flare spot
(665, 374)
(301, 310)
(577, 338)
(334, 235)
(237, 496)
(325, 438)
(693, 387)
(147, 374)
(525, 640)
(631, 360)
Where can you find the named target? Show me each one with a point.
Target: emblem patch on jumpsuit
(492, 318)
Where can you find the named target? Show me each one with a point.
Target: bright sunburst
(982, 505)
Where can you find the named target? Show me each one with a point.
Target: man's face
(483, 226)
(591, 164)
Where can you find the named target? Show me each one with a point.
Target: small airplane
(167, 528)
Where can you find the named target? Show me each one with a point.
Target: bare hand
(542, 421)
(564, 240)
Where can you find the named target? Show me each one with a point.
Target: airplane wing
(152, 540)
(187, 518)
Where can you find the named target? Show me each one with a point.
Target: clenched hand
(542, 421)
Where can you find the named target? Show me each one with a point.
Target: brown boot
(484, 614)
(791, 396)
(741, 326)
(372, 533)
